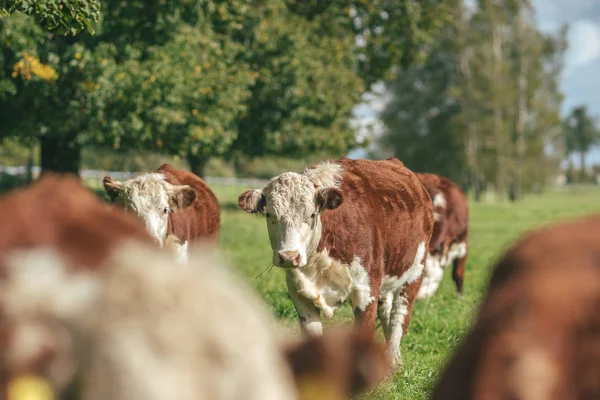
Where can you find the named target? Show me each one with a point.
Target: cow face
(291, 205)
(42, 300)
(151, 198)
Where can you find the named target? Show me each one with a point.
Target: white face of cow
(151, 198)
(291, 205)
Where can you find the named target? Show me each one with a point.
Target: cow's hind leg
(458, 273)
(458, 268)
(384, 310)
(398, 315)
(434, 273)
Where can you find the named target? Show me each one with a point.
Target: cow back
(60, 213)
(386, 213)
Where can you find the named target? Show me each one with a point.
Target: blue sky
(581, 78)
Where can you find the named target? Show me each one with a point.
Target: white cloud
(584, 43)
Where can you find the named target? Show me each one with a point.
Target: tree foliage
(60, 16)
(581, 133)
(203, 79)
(485, 105)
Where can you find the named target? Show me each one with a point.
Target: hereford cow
(448, 244)
(58, 213)
(175, 205)
(148, 328)
(536, 335)
(353, 230)
(61, 213)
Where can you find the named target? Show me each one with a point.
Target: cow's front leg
(308, 314)
(366, 318)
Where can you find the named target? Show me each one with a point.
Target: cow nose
(292, 257)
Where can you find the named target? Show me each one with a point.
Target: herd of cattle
(132, 301)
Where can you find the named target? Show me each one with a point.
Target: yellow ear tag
(30, 388)
(315, 387)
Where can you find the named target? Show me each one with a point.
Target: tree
(485, 102)
(41, 78)
(421, 113)
(581, 133)
(60, 16)
(201, 79)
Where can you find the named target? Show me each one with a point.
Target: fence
(226, 189)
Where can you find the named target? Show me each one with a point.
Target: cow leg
(383, 310)
(367, 319)
(308, 314)
(400, 317)
(458, 273)
(398, 313)
(444, 256)
(434, 272)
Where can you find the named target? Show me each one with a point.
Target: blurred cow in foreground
(131, 323)
(537, 335)
(176, 206)
(449, 241)
(349, 230)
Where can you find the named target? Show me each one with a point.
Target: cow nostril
(291, 256)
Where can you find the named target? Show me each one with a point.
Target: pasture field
(439, 323)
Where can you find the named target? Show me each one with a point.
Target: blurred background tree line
(486, 103)
(253, 87)
(234, 79)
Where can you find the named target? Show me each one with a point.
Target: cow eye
(166, 210)
(268, 215)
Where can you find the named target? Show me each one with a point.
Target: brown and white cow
(175, 205)
(146, 327)
(537, 333)
(58, 218)
(349, 230)
(449, 241)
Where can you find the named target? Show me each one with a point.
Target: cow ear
(252, 201)
(112, 188)
(183, 196)
(328, 198)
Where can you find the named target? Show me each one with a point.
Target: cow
(59, 213)
(147, 327)
(349, 230)
(176, 206)
(449, 241)
(536, 335)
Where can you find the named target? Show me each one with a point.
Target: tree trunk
(583, 173)
(60, 155)
(502, 160)
(29, 172)
(197, 164)
(520, 126)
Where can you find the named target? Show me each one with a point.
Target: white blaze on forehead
(145, 190)
(148, 196)
(290, 196)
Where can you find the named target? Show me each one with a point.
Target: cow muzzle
(288, 259)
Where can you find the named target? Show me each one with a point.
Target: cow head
(291, 205)
(151, 198)
(41, 298)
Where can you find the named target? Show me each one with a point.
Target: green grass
(439, 323)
